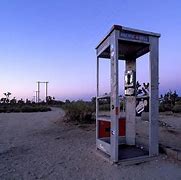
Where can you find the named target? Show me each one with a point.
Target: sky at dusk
(55, 40)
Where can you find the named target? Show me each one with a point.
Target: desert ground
(169, 130)
(42, 146)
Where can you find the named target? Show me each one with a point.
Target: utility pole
(36, 96)
(38, 91)
(46, 90)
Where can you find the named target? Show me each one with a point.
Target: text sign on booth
(133, 36)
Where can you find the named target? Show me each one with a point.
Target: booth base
(128, 155)
(127, 152)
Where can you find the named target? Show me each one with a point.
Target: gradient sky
(55, 40)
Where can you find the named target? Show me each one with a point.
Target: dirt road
(40, 146)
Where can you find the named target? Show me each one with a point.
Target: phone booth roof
(132, 43)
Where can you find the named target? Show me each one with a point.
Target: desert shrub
(44, 109)
(2, 110)
(27, 108)
(16, 109)
(104, 107)
(177, 108)
(168, 101)
(8, 108)
(79, 111)
(161, 108)
(104, 104)
(178, 102)
(165, 107)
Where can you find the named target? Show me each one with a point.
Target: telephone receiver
(129, 78)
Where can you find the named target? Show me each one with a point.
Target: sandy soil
(169, 130)
(40, 146)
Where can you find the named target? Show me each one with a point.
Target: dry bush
(8, 108)
(177, 108)
(79, 111)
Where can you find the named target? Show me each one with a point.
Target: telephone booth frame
(122, 43)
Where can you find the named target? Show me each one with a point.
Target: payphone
(130, 81)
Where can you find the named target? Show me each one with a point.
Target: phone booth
(116, 132)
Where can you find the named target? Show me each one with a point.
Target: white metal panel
(103, 146)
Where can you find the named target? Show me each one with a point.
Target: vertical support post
(130, 108)
(115, 107)
(38, 96)
(46, 91)
(97, 102)
(153, 108)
